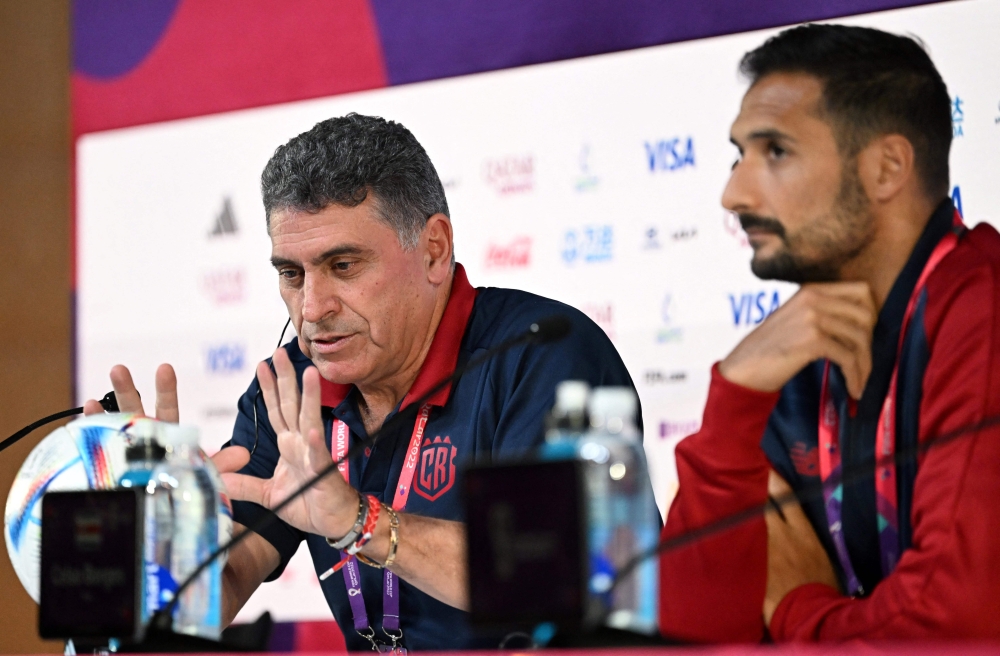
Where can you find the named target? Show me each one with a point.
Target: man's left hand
(795, 555)
(330, 507)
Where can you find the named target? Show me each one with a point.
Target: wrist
(343, 538)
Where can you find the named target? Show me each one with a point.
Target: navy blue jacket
(494, 411)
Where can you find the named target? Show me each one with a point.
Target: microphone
(543, 331)
(109, 403)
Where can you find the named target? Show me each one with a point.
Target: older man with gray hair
(362, 244)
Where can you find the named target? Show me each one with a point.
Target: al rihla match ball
(86, 454)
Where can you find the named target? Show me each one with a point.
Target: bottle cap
(174, 435)
(613, 409)
(571, 395)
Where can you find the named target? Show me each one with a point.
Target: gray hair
(341, 160)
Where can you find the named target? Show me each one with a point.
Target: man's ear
(886, 166)
(438, 248)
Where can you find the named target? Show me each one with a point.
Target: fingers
(231, 459)
(125, 391)
(311, 420)
(288, 389)
(92, 407)
(244, 488)
(855, 358)
(166, 394)
(269, 390)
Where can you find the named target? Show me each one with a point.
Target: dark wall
(35, 346)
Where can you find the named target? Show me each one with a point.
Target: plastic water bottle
(143, 454)
(186, 510)
(622, 519)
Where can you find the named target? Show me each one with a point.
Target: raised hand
(128, 397)
(828, 320)
(330, 507)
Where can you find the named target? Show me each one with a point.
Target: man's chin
(782, 266)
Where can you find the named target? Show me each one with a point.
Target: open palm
(330, 507)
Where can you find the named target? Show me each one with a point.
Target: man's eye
(288, 274)
(343, 266)
(776, 151)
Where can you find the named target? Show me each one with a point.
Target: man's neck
(896, 234)
(380, 398)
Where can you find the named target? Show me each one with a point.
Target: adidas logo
(225, 222)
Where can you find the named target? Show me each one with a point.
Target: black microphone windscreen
(550, 329)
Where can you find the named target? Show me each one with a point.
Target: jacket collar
(442, 356)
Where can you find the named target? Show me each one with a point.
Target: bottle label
(160, 587)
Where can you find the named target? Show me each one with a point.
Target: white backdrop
(595, 181)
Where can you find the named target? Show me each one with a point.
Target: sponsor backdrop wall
(595, 181)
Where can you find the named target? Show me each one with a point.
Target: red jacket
(947, 584)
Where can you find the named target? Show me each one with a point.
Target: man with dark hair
(362, 244)
(891, 342)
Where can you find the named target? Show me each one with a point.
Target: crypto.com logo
(512, 174)
(513, 255)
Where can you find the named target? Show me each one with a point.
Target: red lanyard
(885, 444)
(352, 574)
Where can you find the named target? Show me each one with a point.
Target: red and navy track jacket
(947, 582)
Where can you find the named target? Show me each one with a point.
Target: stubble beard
(838, 237)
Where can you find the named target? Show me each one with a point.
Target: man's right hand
(128, 396)
(824, 320)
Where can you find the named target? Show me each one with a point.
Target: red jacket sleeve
(948, 583)
(713, 589)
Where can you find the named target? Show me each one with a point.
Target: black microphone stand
(109, 403)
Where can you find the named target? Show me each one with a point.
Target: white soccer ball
(86, 454)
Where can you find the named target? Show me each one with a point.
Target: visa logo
(225, 358)
(749, 309)
(670, 154)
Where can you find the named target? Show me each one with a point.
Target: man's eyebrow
(347, 249)
(337, 251)
(769, 135)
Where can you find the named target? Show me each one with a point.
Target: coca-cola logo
(512, 174)
(513, 255)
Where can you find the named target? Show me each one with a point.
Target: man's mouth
(329, 344)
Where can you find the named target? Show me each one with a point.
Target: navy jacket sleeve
(263, 460)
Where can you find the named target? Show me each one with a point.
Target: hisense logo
(225, 221)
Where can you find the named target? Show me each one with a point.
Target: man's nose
(319, 298)
(741, 193)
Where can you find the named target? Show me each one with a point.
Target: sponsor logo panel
(659, 377)
(669, 331)
(225, 286)
(958, 117)
(603, 314)
(515, 254)
(588, 244)
(668, 155)
(670, 429)
(751, 308)
(511, 174)
(225, 358)
(585, 179)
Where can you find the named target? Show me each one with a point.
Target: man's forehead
(780, 100)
